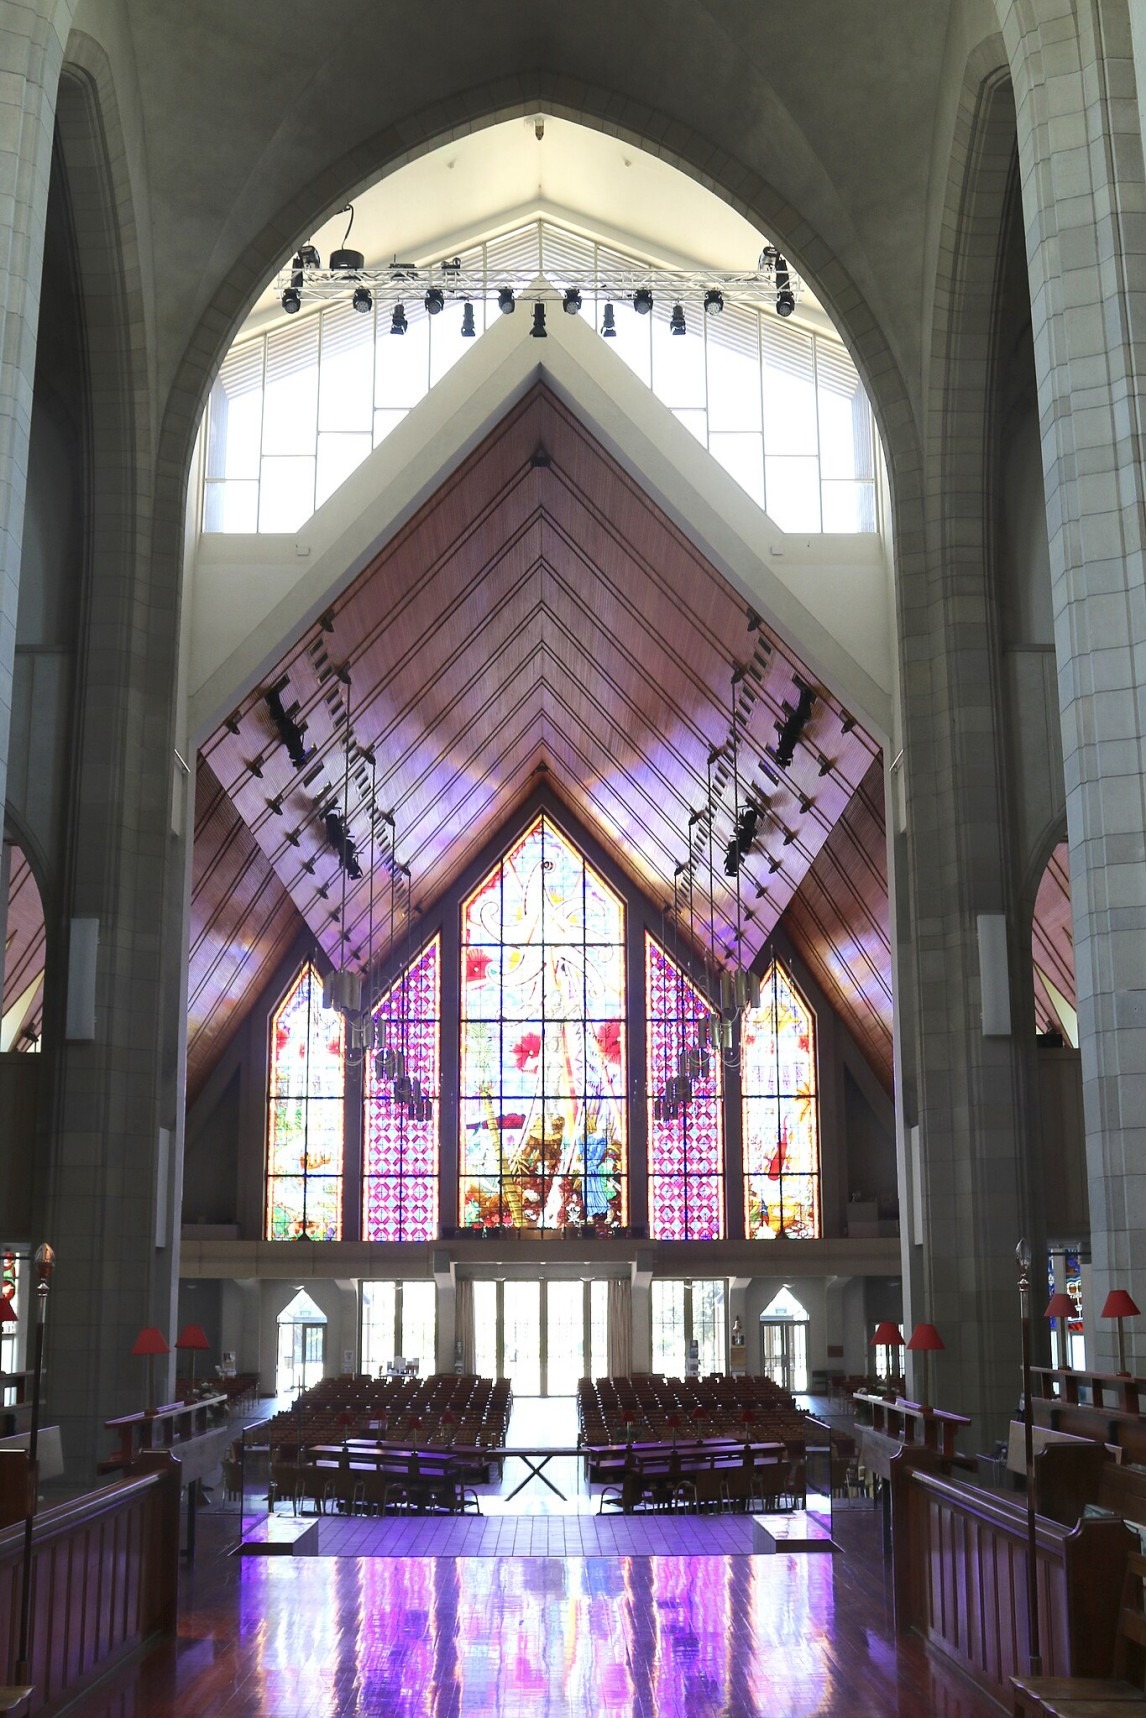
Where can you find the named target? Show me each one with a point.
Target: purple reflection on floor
(656, 1637)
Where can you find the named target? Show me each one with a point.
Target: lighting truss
(751, 287)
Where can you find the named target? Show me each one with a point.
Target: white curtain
(620, 1328)
(464, 1321)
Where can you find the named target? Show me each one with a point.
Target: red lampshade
(1119, 1305)
(7, 1312)
(927, 1337)
(887, 1335)
(192, 1336)
(1059, 1305)
(150, 1341)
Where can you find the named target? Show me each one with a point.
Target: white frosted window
(290, 415)
(793, 493)
(294, 411)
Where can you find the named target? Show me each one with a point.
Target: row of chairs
(649, 1408)
(435, 1412)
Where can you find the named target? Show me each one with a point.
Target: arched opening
(301, 1345)
(784, 1342)
(25, 951)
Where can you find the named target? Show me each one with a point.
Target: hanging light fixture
(676, 320)
(642, 301)
(713, 301)
(435, 301)
(538, 331)
(571, 301)
(363, 300)
(469, 329)
(506, 302)
(609, 324)
(345, 260)
(398, 323)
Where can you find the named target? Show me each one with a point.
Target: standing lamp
(925, 1340)
(1119, 1305)
(149, 1343)
(1060, 1306)
(192, 1339)
(1023, 1260)
(887, 1336)
(7, 1312)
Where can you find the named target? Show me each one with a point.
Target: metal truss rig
(774, 283)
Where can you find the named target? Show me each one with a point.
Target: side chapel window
(305, 1117)
(781, 1113)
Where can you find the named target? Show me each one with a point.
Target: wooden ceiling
(539, 614)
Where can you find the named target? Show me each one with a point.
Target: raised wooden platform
(279, 1536)
(799, 1531)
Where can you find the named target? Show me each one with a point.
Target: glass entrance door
(301, 1353)
(543, 1336)
(784, 1353)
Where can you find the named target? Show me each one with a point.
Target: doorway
(302, 1346)
(543, 1336)
(784, 1343)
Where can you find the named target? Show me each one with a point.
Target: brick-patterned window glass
(305, 1122)
(686, 1141)
(400, 1168)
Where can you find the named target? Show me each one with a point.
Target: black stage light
(435, 301)
(571, 303)
(642, 301)
(308, 257)
(346, 262)
(363, 300)
(292, 300)
(676, 320)
(469, 330)
(506, 302)
(713, 302)
(785, 297)
(398, 323)
(609, 326)
(538, 332)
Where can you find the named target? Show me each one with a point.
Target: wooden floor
(625, 1636)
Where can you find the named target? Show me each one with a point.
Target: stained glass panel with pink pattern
(781, 1117)
(400, 1153)
(686, 1151)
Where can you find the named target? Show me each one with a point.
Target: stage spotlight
(363, 300)
(609, 326)
(506, 302)
(346, 262)
(676, 320)
(642, 301)
(538, 332)
(307, 257)
(292, 300)
(571, 303)
(398, 322)
(469, 329)
(785, 297)
(435, 301)
(713, 302)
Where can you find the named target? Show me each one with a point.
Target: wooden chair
(1079, 1696)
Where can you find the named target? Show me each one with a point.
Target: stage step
(799, 1531)
(279, 1536)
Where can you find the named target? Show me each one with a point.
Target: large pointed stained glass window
(543, 1123)
(686, 1135)
(305, 1117)
(400, 1167)
(781, 1120)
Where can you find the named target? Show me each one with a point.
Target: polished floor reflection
(539, 1637)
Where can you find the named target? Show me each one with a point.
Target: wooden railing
(960, 1573)
(165, 1429)
(909, 1423)
(104, 1580)
(1106, 1389)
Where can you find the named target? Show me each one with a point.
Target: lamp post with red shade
(1119, 1305)
(925, 1340)
(192, 1339)
(1060, 1307)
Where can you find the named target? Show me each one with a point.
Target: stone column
(1084, 201)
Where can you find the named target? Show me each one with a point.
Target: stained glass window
(400, 1168)
(781, 1120)
(543, 1118)
(686, 1139)
(305, 1117)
